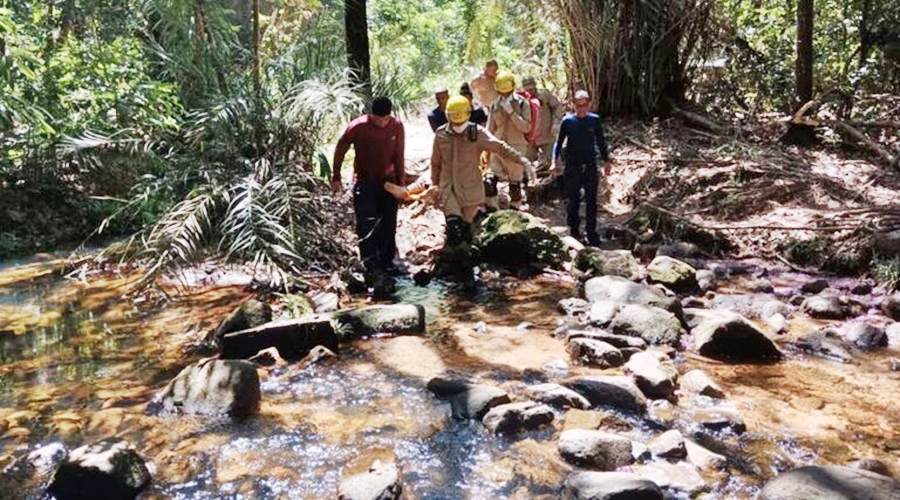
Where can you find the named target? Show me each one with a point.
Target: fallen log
(393, 319)
(859, 136)
(700, 121)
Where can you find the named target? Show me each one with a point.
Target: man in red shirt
(378, 140)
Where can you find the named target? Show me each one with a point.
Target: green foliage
(887, 272)
(810, 252)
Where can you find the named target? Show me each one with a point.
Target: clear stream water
(79, 362)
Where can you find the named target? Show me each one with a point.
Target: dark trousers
(376, 224)
(575, 177)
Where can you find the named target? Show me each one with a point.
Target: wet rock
(862, 287)
(893, 332)
(866, 336)
(621, 290)
(594, 353)
(601, 313)
(894, 364)
(557, 396)
(814, 286)
(476, 400)
(654, 325)
(572, 244)
(595, 449)
(444, 386)
(389, 319)
(515, 239)
(380, 482)
(773, 307)
(620, 341)
(573, 306)
(628, 352)
(728, 336)
(293, 338)
(211, 387)
(614, 391)
(673, 274)
(830, 482)
(887, 244)
(694, 302)
(248, 315)
(777, 323)
(654, 373)
(796, 300)
(829, 307)
(680, 250)
(871, 465)
(706, 280)
(515, 417)
(698, 382)
(720, 417)
(669, 445)
(678, 478)
(317, 356)
(702, 458)
(640, 452)
(825, 343)
(558, 368)
(662, 412)
(268, 357)
(107, 469)
(29, 475)
(589, 485)
(326, 302)
(760, 285)
(592, 262)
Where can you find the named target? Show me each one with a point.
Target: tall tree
(804, 65)
(356, 29)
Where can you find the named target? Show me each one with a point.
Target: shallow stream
(79, 362)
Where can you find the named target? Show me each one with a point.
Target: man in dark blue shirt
(585, 147)
(437, 116)
(478, 114)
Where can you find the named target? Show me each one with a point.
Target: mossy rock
(513, 239)
(592, 262)
(674, 274)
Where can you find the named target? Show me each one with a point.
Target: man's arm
(399, 155)
(340, 151)
(436, 163)
(602, 147)
(560, 138)
(489, 142)
(433, 121)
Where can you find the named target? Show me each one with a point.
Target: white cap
(582, 95)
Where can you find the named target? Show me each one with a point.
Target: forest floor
(741, 196)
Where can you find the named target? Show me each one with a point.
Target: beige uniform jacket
(484, 90)
(551, 115)
(454, 168)
(511, 127)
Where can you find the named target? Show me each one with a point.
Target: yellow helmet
(505, 82)
(458, 110)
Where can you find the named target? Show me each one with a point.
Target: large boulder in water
(728, 336)
(513, 239)
(212, 387)
(613, 391)
(673, 274)
(467, 401)
(654, 373)
(387, 319)
(108, 469)
(380, 482)
(595, 449)
(595, 353)
(590, 485)
(830, 307)
(512, 418)
(617, 289)
(654, 325)
(831, 483)
(592, 262)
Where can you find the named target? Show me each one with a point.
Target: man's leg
(365, 206)
(387, 229)
(516, 175)
(499, 174)
(590, 202)
(572, 187)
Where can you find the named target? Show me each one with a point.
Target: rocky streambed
(675, 376)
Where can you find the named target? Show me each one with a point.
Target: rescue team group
(473, 151)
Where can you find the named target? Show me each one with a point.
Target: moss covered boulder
(514, 239)
(592, 262)
(673, 274)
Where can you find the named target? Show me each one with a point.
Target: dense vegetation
(199, 126)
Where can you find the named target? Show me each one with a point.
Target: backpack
(534, 133)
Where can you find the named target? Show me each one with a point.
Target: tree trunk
(257, 83)
(357, 34)
(803, 70)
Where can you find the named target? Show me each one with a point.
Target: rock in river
(829, 307)
(654, 373)
(616, 289)
(514, 239)
(698, 382)
(613, 391)
(866, 336)
(720, 417)
(108, 469)
(654, 325)
(594, 353)
(592, 262)
(557, 396)
(830, 483)
(211, 387)
(512, 418)
(825, 343)
(293, 338)
(669, 445)
(380, 482)
(620, 341)
(248, 315)
(890, 306)
(728, 336)
(589, 485)
(468, 401)
(673, 274)
(595, 449)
